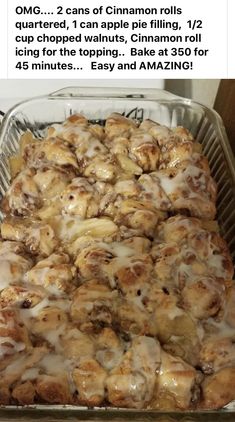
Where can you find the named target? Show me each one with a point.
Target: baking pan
(207, 128)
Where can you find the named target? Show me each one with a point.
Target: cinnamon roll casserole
(115, 285)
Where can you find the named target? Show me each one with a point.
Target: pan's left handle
(2, 114)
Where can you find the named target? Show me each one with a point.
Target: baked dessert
(115, 285)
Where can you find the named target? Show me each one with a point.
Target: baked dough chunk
(93, 306)
(88, 147)
(33, 189)
(132, 274)
(131, 318)
(24, 393)
(14, 262)
(21, 296)
(53, 389)
(134, 215)
(55, 273)
(131, 383)
(38, 237)
(118, 125)
(230, 307)
(195, 251)
(144, 150)
(177, 384)
(50, 151)
(93, 261)
(102, 168)
(109, 348)
(189, 189)
(49, 323)
(76, 345)
(80, 198)
(16, 370)
(177, 228)
(23, 196)
(177, 331)
(177, 146)
(14, 338)
(218, 389)
(76, 131)
(98, 259)
(51, 180)
(89, 378)
(217, 353)
(160, 133)
(204, 297)
(177, 152)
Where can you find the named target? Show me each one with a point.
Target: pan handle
(64, 92)
(2, 114)
(96, 92)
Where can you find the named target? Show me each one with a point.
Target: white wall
(202, 90)
(15, 90)
(32, 87)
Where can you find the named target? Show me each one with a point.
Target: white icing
(141, 138)
(8, 262)
(34, 312)
(16, 366)
(37, 275)
(27, 314)
(53, 336)
(121, 251)
(71, 228)
(223, 329)
(9, 346)
(215, 262)
(30, 374)
(109, 358)
(170, 185)
(53, 364)
(174, 312)
(54, 290)
(6, 276)
(95, 147)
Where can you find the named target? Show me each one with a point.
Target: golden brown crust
(204, 298)
(92, 305)
(51, 151)
(118, 125)
(217, 353)
(55, 273)
(89, 378)
(53, 389)
(176, 384)
(128, 386)
(24, 393)
(38, 237)
(218, 389)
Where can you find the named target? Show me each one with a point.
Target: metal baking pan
(207, 128)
